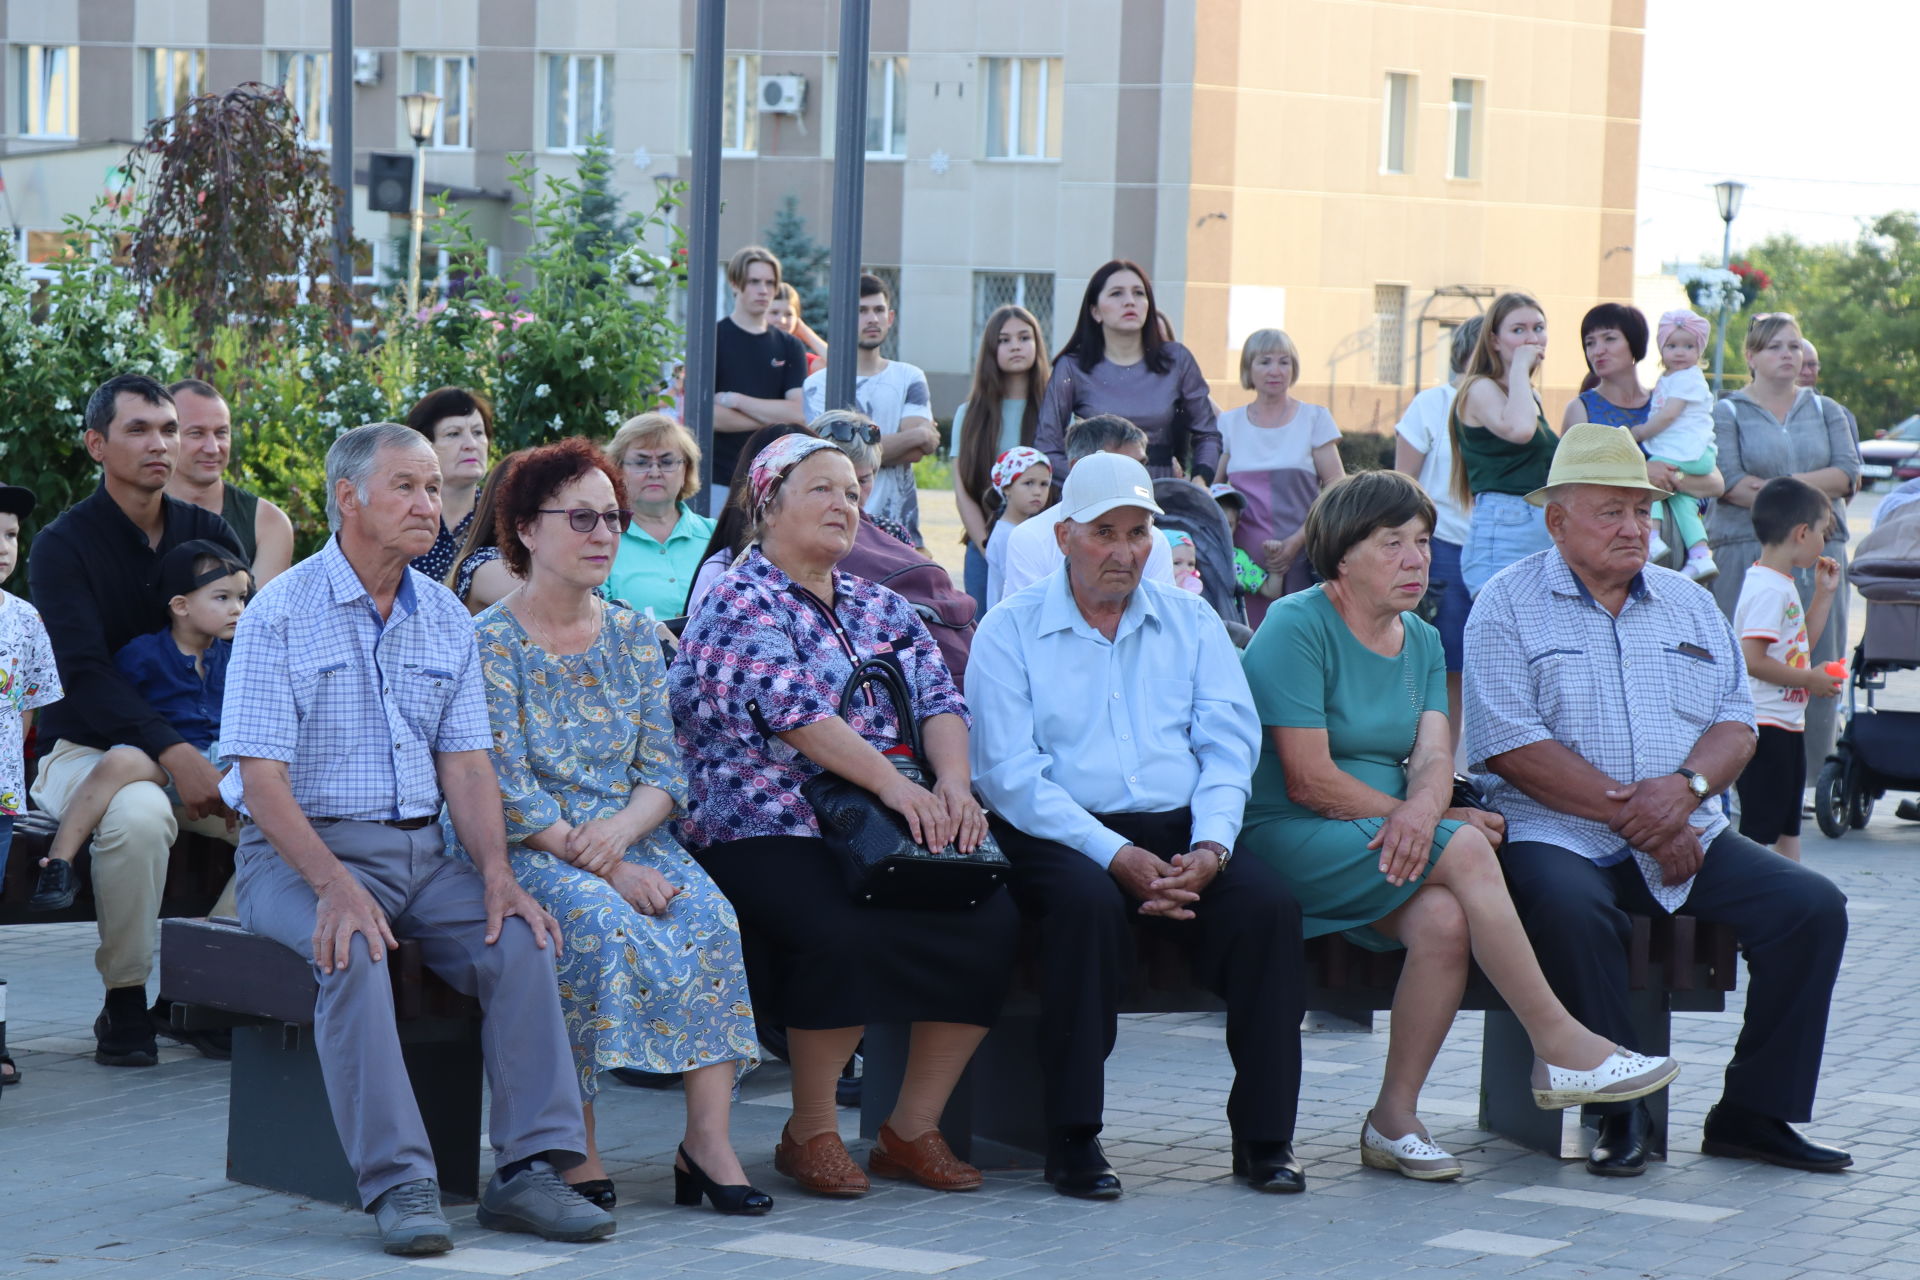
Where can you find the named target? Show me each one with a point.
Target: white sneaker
(1700, 568)
(1657, 549)
(1412, 1156)
(1624, 1076)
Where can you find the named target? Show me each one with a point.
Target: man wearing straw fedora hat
(1606, 703)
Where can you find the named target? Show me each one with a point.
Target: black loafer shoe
(1739, 1134)
(1269, 1167)
(1621, 1149)
(56, 889)
(1077, 1167)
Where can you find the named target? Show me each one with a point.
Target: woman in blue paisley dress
(651, 974)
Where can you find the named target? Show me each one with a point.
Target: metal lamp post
(1727, 196)
(423, 113)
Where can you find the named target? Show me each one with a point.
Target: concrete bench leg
(280, 1132)
(1506, 1098)
(994, 1119)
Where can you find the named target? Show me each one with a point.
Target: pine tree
(803, 261)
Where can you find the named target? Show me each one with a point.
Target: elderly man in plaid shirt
(354, 707)
(1607, 699)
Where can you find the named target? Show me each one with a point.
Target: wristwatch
(1696, 783)
(1220, 851)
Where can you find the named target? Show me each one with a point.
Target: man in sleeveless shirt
(206, 444)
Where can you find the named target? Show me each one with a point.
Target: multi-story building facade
(1363, 175)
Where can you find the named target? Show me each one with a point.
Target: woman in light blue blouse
(651, 976)
(662, 546)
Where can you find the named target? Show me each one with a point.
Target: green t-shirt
(1308, 671)
(1495, 465)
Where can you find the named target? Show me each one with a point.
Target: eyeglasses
(581, 520)
(665, 462)
(844, 431)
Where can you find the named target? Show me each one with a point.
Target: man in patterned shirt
(345, 653)
(1607, 698)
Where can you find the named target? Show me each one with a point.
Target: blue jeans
(974, 577)
(1452, 603)
(1506, 528)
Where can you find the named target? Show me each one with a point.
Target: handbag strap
(881, 669)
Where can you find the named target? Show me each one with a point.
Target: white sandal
(1624, 1076)
(1412, 1156)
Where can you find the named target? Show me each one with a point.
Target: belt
(403, 824)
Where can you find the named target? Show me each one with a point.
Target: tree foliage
(1859, 304)
(803, 261)
(232, 210)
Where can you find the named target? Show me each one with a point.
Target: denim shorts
(1506, 528)
(1448, 596)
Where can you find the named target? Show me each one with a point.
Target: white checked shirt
(1630, 695)
(354, 705)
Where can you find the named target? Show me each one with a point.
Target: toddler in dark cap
(182, 671)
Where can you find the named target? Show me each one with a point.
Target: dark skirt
(815, 960)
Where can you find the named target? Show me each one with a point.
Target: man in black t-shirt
(757, 368)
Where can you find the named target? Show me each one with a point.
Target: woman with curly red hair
(651, 976)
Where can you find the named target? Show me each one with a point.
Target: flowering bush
(1735, 286)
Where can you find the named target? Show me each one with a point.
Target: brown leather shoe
(927, 1160)
(820, 1165)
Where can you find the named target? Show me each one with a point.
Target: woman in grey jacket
(1774, 428)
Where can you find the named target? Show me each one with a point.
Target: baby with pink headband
(1679, 430)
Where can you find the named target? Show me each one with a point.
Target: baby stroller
(1878, 751)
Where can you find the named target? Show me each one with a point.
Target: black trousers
(1243, 942)
(1792, 927)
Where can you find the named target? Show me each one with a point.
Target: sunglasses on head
(841, 431)
(581, 520)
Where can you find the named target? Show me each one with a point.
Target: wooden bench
(280, 1131)
(198, 869)
(1675, 964)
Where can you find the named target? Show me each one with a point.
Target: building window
(579, 100)
(995, 289)
(887, 108)
(1396, 132)
(48, 76)
(740, 105)
(304, 76)
(175, 77)
(1023, 108)
(1390, 318)
(1465, 161)
(450, 75)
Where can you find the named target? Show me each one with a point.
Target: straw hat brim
(1539, 496)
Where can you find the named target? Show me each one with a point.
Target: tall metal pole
(849, 203)
(419, 225)
(342, 160)
(703, 231)
(1720, 343)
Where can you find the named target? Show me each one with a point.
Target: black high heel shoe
(597, 1191)
(690, 1183)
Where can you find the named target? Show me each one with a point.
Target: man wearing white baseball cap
(1032, 552)
(1114, 740)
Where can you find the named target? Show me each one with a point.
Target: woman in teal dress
(1350, 805)
(651, 974)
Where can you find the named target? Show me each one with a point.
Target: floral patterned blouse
(28, 679)
(758, 636)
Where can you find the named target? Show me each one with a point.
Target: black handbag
(874, 846)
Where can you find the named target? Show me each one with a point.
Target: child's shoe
(1700, 566)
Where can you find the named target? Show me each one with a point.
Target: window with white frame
(1390, 320)
(995, 289)
(49, 93)
(305, 78)
(579, 100)
(740, 105)
(887, 107)
(1464, 161)
(175, 77)
(1396, 126)
(450, 76)
(1024, 99)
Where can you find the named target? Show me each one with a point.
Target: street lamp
(1727, 196)
(423, 112)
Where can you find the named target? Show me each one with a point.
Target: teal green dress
(1308, 671)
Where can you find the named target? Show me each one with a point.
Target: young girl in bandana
(1022, 480)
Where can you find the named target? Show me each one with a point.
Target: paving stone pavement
(119, 1173)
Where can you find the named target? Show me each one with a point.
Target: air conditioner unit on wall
(366, 66)
(783, 95)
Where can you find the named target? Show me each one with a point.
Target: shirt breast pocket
(423, 694)
(1168, 712)
(324, 699)
(1693, 684)
(1559, 675)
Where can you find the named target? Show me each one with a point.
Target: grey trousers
(437, 904)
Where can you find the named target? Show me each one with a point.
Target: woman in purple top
(755, 693)
(1122, 359)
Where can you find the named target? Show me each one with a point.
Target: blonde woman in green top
(1502, 441)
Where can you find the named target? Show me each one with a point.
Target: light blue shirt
(1630, 695)
(1067, 723)
(356, 706)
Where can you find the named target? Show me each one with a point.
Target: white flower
(329, 418)
(63, 404)
(587, 362)
(612, 418)
(587, 321)
(556, 422)
(540, 392)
